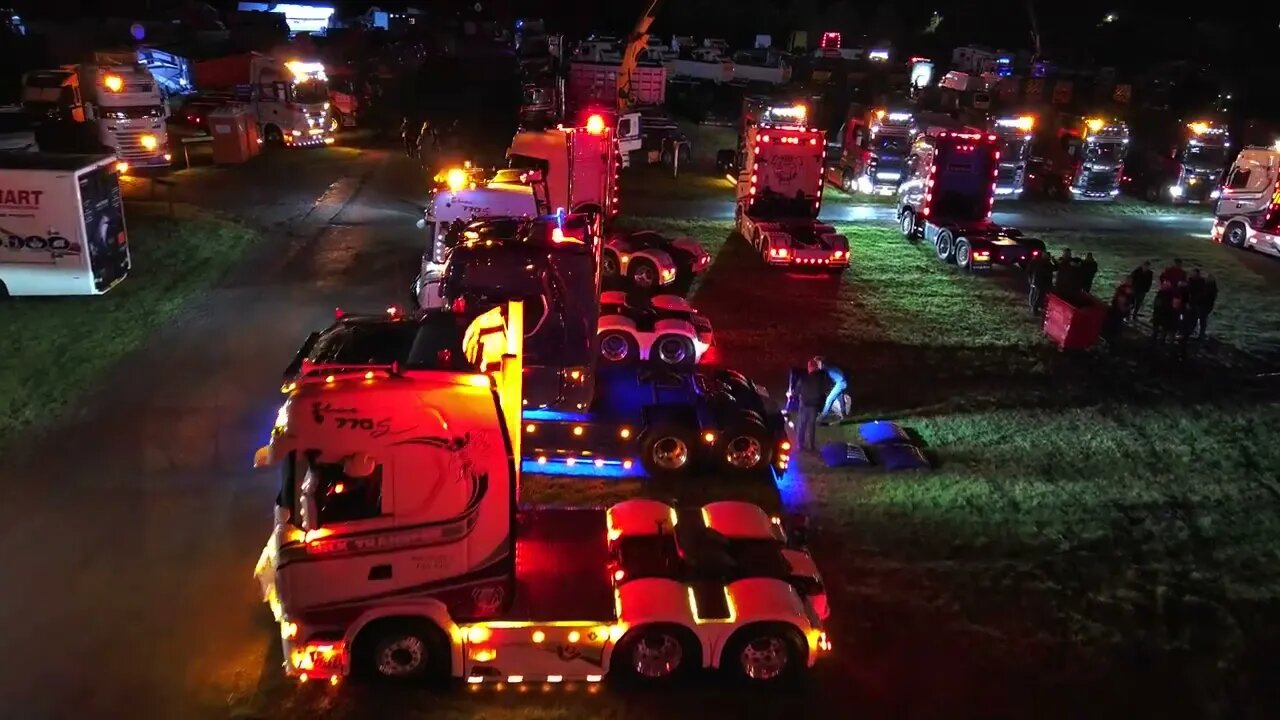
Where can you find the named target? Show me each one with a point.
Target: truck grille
(131, 150)
(1100, 181)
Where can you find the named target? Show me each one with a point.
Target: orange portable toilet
(234, 135)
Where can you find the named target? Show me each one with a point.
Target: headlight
(149, 142)
(1175, 190)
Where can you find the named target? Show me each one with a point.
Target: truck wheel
(1153, 195)
(674, 350)
(848, 183)
(272, 135)
(4, 291)
(907, 221)
(609, 265)
(667, 449)
(643, 274)
(771, 653)
(964, 254)
(656, 654)
(618, 347)
(745, 447)
(402, 650)
(944, 245)
(1236, 235)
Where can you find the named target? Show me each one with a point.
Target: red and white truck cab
(398, 550)
(780, 193)
(578, 164)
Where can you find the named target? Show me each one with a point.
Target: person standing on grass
(1162, 317)
(1121, 306)
(835, 402)
(1141, 277)
(1203, 297)
(1039, 280)
(1184, 324)
(813, 393)
(1088, 271)
(1174, 273)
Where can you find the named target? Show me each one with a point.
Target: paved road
(1031, 219)
(128, 534)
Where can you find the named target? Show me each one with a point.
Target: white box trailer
(62, 229)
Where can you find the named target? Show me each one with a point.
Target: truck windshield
(432, 343)
(1106, 152)
(1014, 149)
(311, 92)
(891, 145)
(132, 112)
(1204, 156)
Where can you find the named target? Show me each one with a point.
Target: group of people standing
(1065, 276)
(1182, 304)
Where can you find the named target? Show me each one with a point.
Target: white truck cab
(1246, 215)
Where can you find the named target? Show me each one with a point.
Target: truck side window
(1239, 178)
(340, 498)
(624, 127)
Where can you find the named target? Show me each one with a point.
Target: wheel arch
(428, 610)
(783, 624)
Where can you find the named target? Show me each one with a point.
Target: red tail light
(459, 305)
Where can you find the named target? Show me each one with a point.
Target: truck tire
(944, 245)
(907, 222)
(643, 274)
(402, 649)
(848, 183)
(618, 348)
(744, 447)
(674, 350)
(765, 653)
(964, 254)
(657, 654)
(4, 291)
(667, 450)
(272, 136)
(610, 268)
(1236, 235)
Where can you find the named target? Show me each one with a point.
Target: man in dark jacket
(1141, 277)
(1203, 295)
(1039, 281)
(813, 393)
(1088, 270)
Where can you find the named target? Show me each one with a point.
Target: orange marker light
(595, 125)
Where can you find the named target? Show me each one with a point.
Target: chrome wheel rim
(764, 658)
(657, 656)
(744, 452)
(402, 657)
(614, 348)
(609, 266)
(644, 276)
(906, 224)
(672, 351)
(962, 255)
(670, 453)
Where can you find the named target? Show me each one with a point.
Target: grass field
(58, 347)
